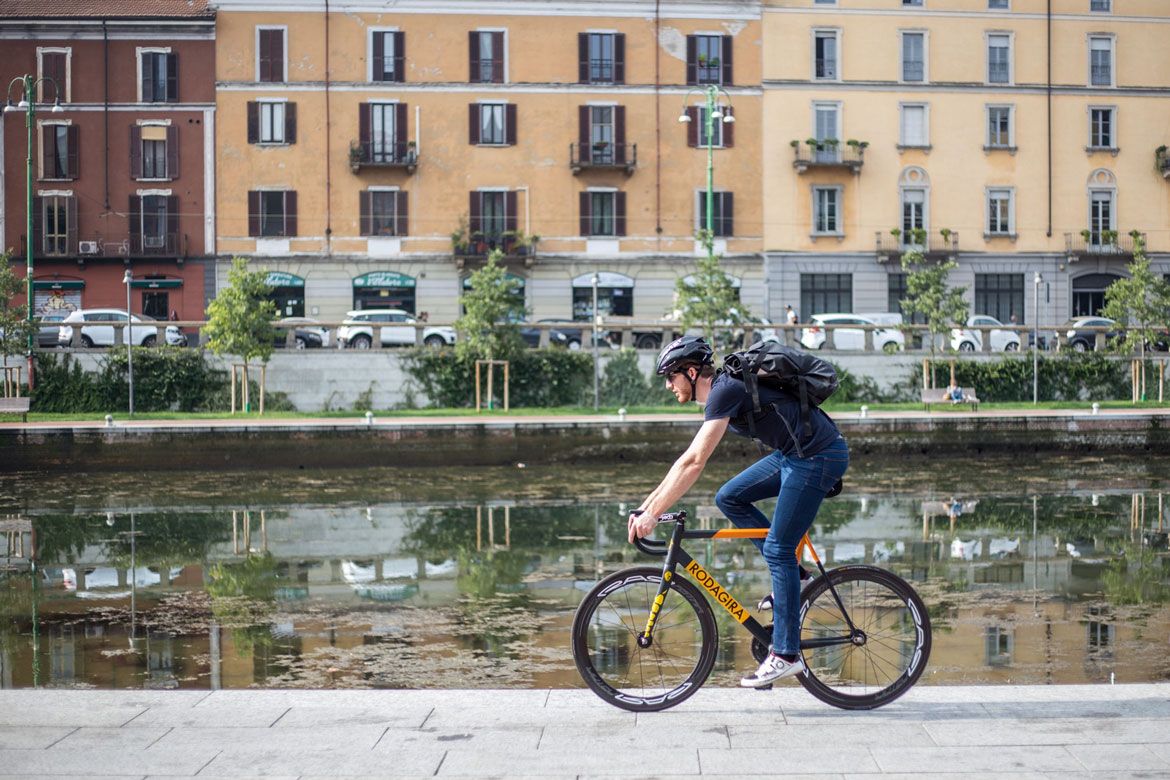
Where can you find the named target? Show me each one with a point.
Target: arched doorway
(1088, 294)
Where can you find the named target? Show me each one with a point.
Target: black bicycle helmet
(683, 351)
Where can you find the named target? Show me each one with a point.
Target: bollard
(369, 419)
(864, 411)
(622, 414)
(109, 421)
(1096, 407)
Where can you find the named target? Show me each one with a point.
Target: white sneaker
(772, 669)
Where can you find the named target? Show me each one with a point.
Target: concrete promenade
(1001, 732)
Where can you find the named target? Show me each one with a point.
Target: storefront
(615, 295)
(288, 293)
(156, 295)
(384, 290)
(55, 298)
(517, 286)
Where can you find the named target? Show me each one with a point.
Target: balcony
(937, 247)
(1162, 161)
(603, 156)
(828, 155)
(1088, 245)
(174, 245)
(374, 154)
(518, 248)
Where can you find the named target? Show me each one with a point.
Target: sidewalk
(1005, 732)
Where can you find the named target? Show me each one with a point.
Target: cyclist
(798, 483)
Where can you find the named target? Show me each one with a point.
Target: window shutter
(619, 58)
(473, 50)
(584, 134)
(728, 214)
(583, 58)
(172, 78)
(725, 61)
(74, 150)
(619, 134)
(71, 224)
(365, 113)
(729, 130)
(693, 126)
(510, 124)
(135, 224)
(172, 224)
(172, 152)
(378, 66)
(365, 208)
(475, 216)
(510, 209)
(497, 57)
(253, 122)
(401, 213)
(37, 239)
(400, 56)
(253, 213)
(400, 134)
(692, 60)
(147, 64)
(290, 123)
(290, 213)
(48, 150)
(619, 216)
(585, 216)
(473, 123)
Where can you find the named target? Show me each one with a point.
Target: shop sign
(383, 279)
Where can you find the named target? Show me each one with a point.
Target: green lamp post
(718, 109)
(28, 104)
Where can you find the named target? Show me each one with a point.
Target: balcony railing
(1162, 161)
(375, 154)
(828, 155)
(1101, 76)
(171, 244)
(146, 245)
(913, 70)
(934, 246)
(601, 71)
(603, 155)
(1103, 243)
(515, 246)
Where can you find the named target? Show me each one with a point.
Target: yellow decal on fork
(716, 590)
(657, 605)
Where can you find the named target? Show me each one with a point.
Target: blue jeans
(800, 484)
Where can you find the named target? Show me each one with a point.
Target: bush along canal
(1048, 570)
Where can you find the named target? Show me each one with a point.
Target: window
(615, 296)
(827, 127)
(156, 303)
(272, 213)
(1000, 212)
(825, 65)
(160, 77)
(995, 5)
(55, 68)
(913, 213)
(493, 124)
(915, 3)
(1088, 294)
(270, 50)
(1000, 296)
(914, 125)
(487, 57)
(896, 290)
(154, 224)
(825, 294)
(154, 154)
(154, 151)
(601, 134)
(827, 211)
(999, 59)
(387, 55)
(1100, 61)
(913, 56)
(716, 128)
(603, 213)
(709, 59)
(493, 214)
(1101, 6)
(383, 213)
(1101, 128)
(601, 58)
(384, 133)
(56, 224)
(272, 122)
(722, 133)
(1100, 215)
(1000, 127)
(722, 213)
(59, 149)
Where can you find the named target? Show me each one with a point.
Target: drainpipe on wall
(106, 106)
(328, 148)
(1048, 55)
(657, 129)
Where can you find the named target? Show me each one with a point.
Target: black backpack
(799, 373)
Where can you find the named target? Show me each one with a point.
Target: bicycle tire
(606, 627)
(898, 638)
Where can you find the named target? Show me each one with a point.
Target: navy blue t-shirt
(729, 398)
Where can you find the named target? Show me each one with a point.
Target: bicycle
(645, 639)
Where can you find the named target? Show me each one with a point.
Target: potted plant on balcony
(1109, 237)
(356, 156)
(813, 144)
(411, 151)
(1087, 236)
(459, 239)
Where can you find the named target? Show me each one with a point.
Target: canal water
(1045, 570)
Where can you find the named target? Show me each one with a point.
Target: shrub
(1087, 376)
(624, 384)
(539, 377)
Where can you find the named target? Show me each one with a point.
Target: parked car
(104, 335)
(47, 334)
(579, 334)
(964, 340)
(531, 335)
(1083, 340)
(885, 339)
(307, 333)
(396, 327)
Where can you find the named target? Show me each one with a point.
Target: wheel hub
(645, 641)
(859, 638)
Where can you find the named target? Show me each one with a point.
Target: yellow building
(370, 155)
(1021, 142)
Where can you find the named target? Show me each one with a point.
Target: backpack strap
(791, 433)
(805, 425)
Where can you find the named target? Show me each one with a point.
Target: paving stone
(123, 739)
(898, 712)
(241, 715)
(510, 763)
(311, 760)
(1008, 732)
(385, 715)
(851, 734)
(1118, 757)
(31, 737)
(628, 736)
(250, 739)
(81, 777)
(958, 775)
(1117, 730)
(519, 738)
(1134, 708)
(1005, 758)
(105, 761)
(29, 713)
(446, 716)
(764, 761)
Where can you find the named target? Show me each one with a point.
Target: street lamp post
(1036, 338)
(128, 334)
(716, 110)
(28, 104)
(596, 358)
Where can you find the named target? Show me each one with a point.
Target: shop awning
(283, 279)
(383, 279)
(54, 284)
(156, 284)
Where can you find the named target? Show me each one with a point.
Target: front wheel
(889, 645)
(891, 347)
(648, 342)
(966, 346)
(1012, 346)
(607, 627)
(434, 341)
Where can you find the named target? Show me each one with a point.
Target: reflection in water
(331, 586)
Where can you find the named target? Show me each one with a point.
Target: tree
(710, 300)
(492, 309)
(927, 294)
(239, 320)
(1141, 302)
(14, 326)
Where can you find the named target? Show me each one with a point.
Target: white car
(396, 327)
(105, 336)
(964, 340)
(885, 339)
